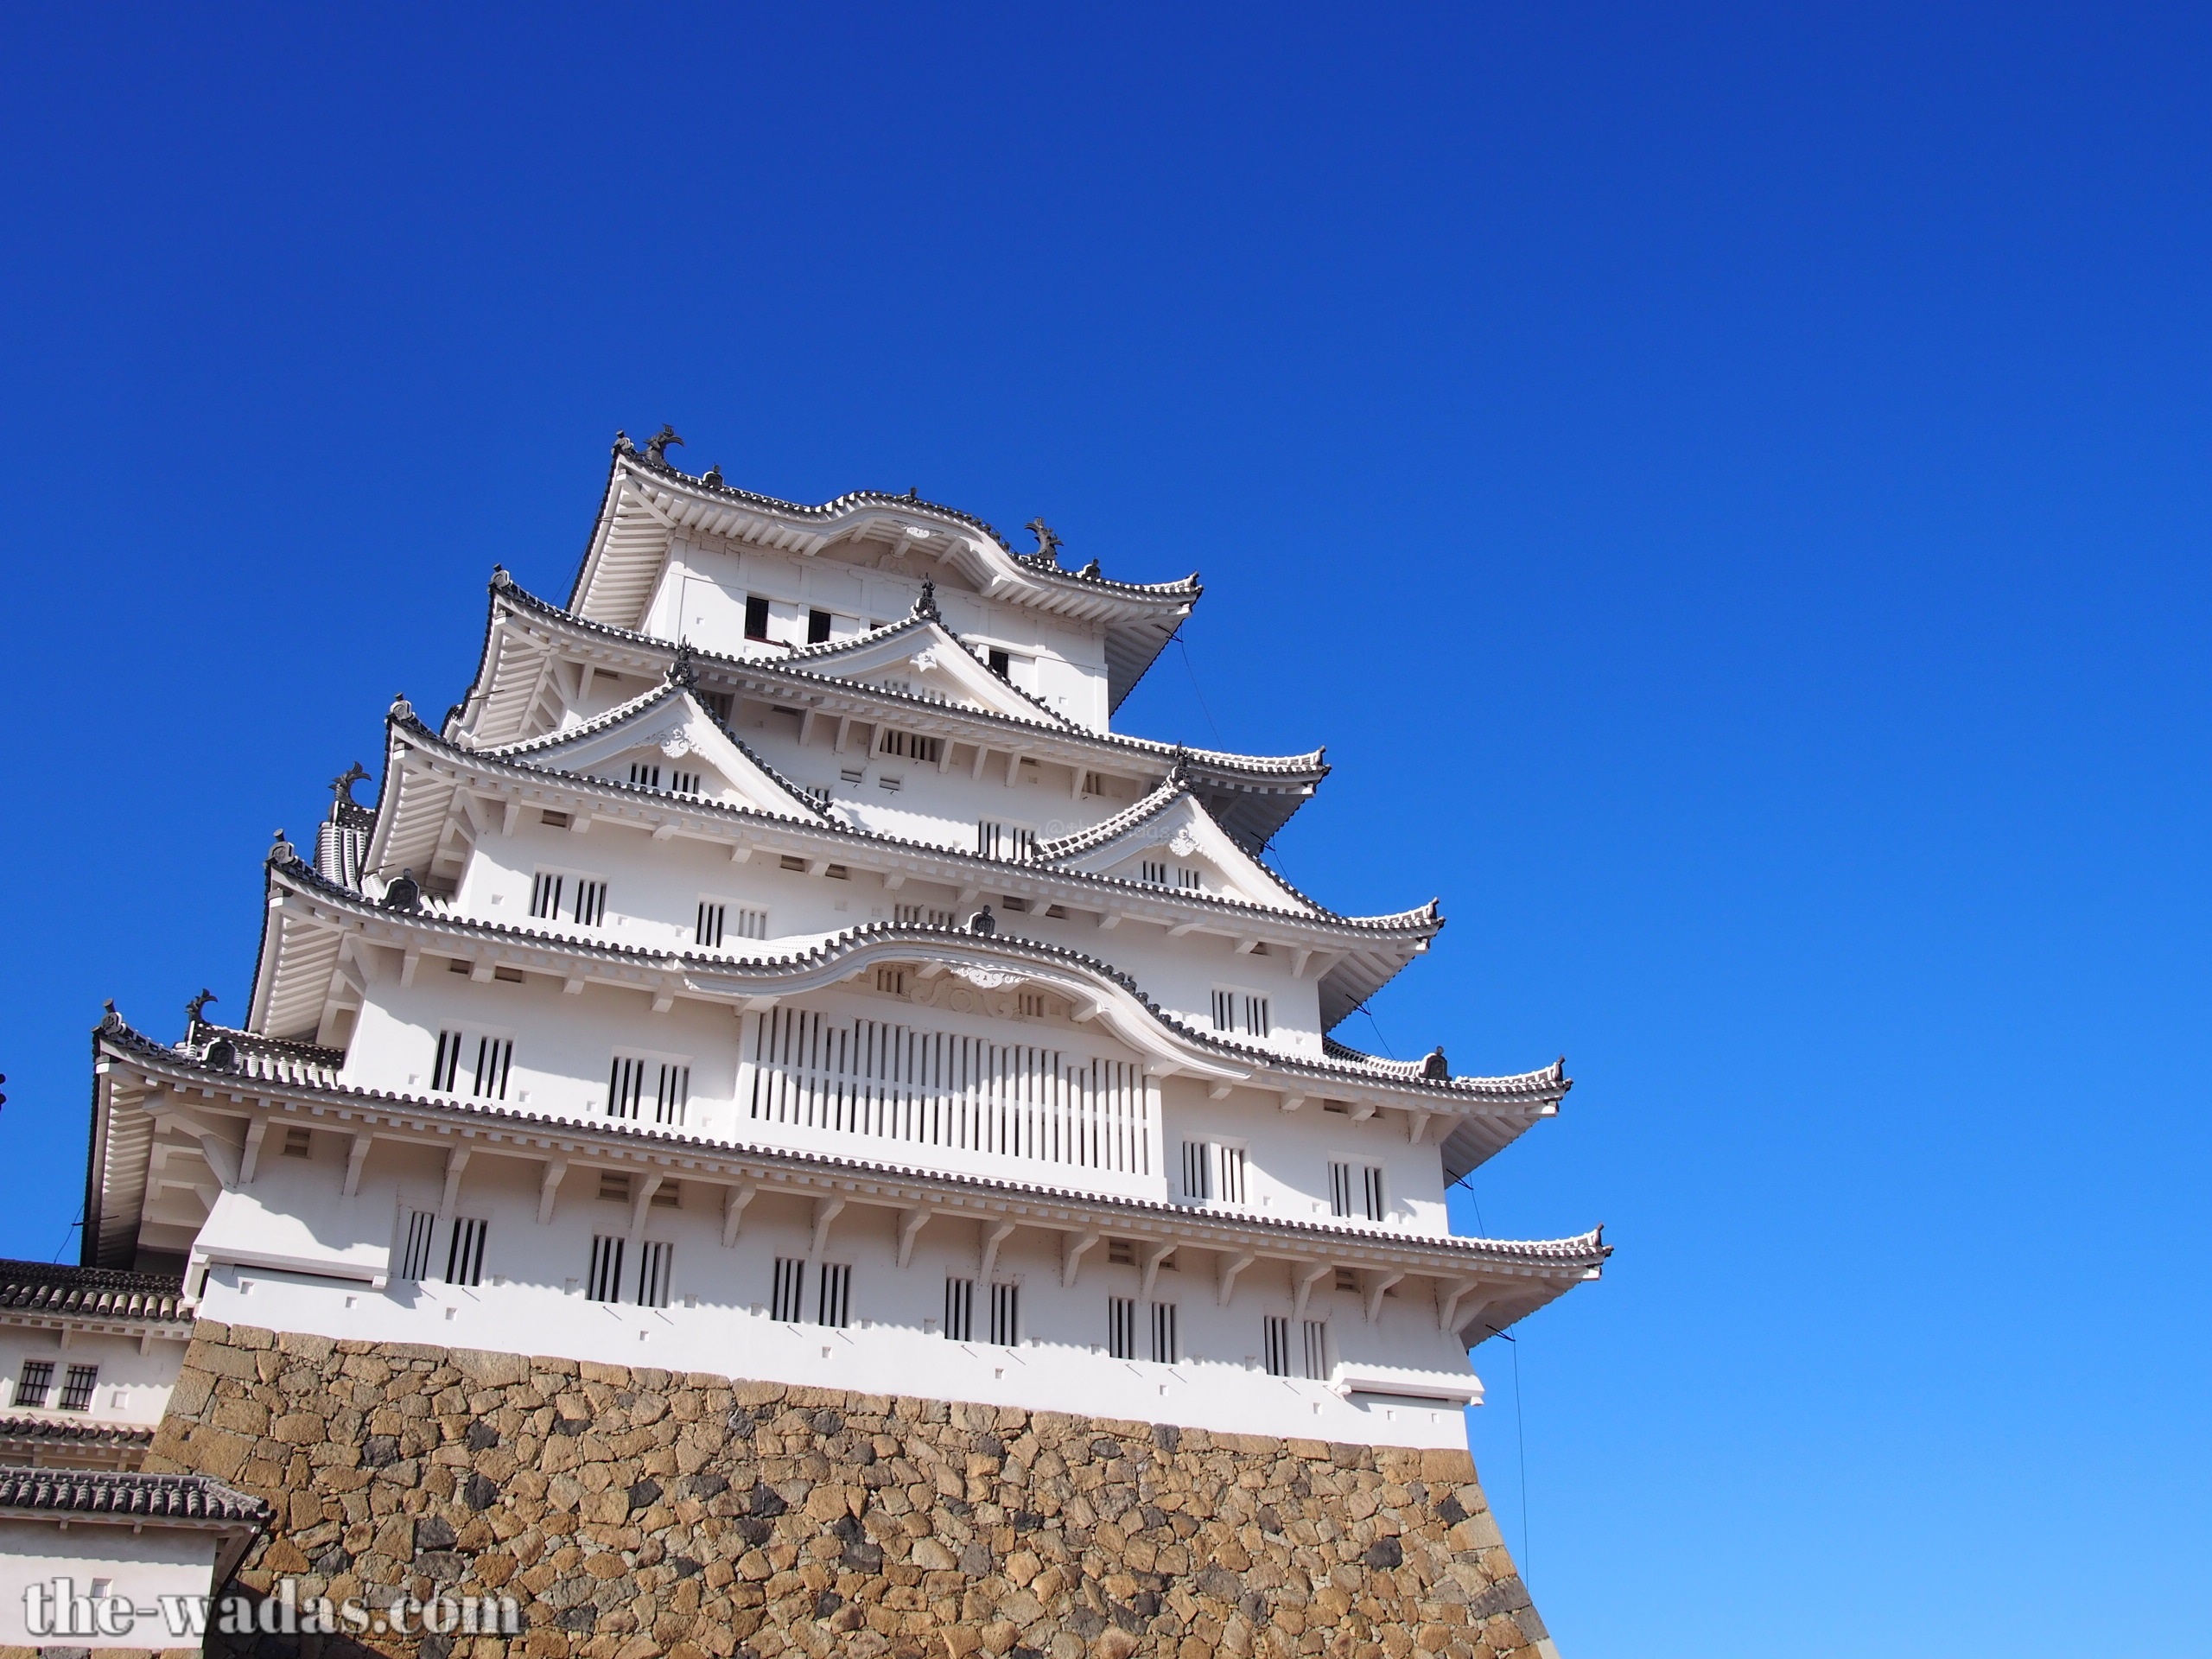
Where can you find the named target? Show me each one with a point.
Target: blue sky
(1729, 488)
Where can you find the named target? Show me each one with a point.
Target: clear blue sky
(1730, 489)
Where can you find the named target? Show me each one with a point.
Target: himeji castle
(776, 967)
(776, 963)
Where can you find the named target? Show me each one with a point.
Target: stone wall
(634, 1512)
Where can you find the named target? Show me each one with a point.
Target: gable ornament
(1183, 843)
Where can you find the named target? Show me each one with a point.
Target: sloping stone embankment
(634, 1512)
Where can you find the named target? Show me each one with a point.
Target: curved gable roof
(646, 502)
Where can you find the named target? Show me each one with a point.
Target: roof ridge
(833, 945)
(413, 723)
(1225, 758)
(910, 503)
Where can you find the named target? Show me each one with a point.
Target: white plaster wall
(700, 593)
(141, 1564)
(532, 1300)
(134, 1386)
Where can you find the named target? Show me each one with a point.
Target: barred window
(1153, 873)
(1122, 1327)
(77, 1392)
(37, 1377)
(465, 1254)
(1006, 1314)
(683, 783)
(1275, 1341)
(606, 1282)
(1356, 1190)
(631, 1081)
(910, 745)
(834, 1295)
(892, 982)
(646, 774)
(1243, 1012)
(709, 930)
(591, 903)
(654, 1260)
(920, 916)
(1211, 1170)
(719, 920)
(415, 1255)
(494, 1057)
(545, 890)
(960, 1309)
(1317, 1350)
(788, 1296)
(1188, 878)
(445, 1069)
(1164, 1350)
(1007, 841)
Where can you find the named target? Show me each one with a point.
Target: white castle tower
(776, 966)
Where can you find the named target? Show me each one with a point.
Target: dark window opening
(817, 626)
(1001, 663)
(756, 617)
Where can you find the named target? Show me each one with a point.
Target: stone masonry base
(634, 1512)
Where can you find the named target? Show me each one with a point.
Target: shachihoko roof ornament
(925, 603)
(657, 445)
(1048, 542)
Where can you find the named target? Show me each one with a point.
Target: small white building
(776, 965)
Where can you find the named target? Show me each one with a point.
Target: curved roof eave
(836, 957)
(1421, 924)
(1139, 618)
(1571, 1258)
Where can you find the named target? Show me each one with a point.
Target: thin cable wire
(1196, 692)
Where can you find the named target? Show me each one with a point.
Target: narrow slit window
(1152, 873)
(1225, 1010)
(672, 1096)
(834, 1295)
(712, 916)
(1275, 1342)
(683, 783)
(1192, 879)
(1165, 1348)
(1006, 1315)
(626, 1086)
(654, 1260)
(1007, 841)
(1122, 1327)
(921, 916)
(1371, 1191)
(545, 895)
(591, 903)
(76, 1389)
(445, 1069)
(787, 1292)
(465, 1254)
(960, 1310)
(415, 1256)
(646, 774)
(910, 745)
(1317, 1350)
(1257, 1022)
(1197, 1171)
(494, 1057)
(606, 1282)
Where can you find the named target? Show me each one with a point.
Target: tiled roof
(192, 1497)
(1579, 1251)
(1220, 759)
(405, 718)
(623, 711)
(90, 1293)
(1549, 1084)
(62, 1431)
(830, 509)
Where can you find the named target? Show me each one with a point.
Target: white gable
(1170, 839)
